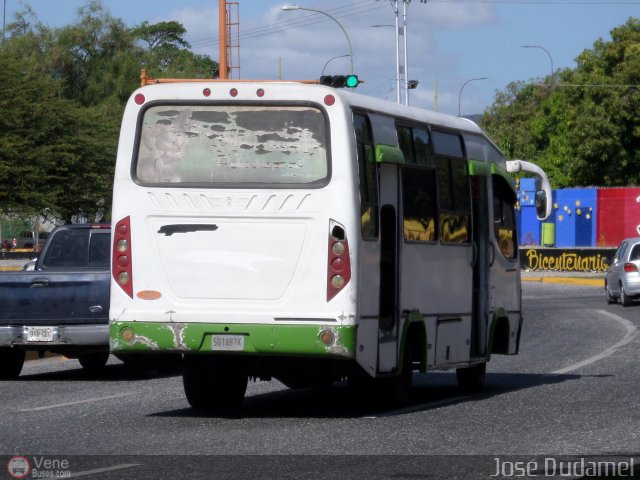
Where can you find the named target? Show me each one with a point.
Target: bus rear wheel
(471, 379)
(214, 383)
(399, 392)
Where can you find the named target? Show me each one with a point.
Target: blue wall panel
(575, 217)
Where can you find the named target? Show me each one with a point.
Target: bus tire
(213, 383)
(471, 379)
(93, 361)
(11, 362)
(401, 385)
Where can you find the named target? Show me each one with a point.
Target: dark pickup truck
(63, 305)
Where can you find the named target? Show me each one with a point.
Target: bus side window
(419, 207)
(504, 218)
(405, 142)
(419, 204)
(453, 188)
(368, 180)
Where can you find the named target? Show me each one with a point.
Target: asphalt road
(572, 391)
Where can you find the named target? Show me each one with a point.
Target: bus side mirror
(541, 204)
(543, 193)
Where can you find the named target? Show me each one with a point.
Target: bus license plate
(228, 342)
(39, 334)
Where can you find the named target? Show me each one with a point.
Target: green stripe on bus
(478, 168)
(127, 337)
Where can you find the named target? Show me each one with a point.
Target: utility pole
(222, 20)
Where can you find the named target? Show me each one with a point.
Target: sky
(461, 51)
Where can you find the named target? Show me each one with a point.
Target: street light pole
(332, 58)
(397, 50)
(462, 88)
(546, 51)
(288, 8)
(405, 3)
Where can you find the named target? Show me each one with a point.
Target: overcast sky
(450, 41)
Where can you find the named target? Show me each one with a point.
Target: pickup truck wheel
(11, 362)
(214, 383)
(93, 361)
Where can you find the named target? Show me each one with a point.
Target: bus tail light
(121, 261)
(339, 263)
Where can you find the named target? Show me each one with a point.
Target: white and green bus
(308, 234)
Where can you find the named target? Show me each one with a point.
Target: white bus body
(310, 234)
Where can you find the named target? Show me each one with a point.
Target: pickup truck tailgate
(54, 298)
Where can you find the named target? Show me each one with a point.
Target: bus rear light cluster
(339, 263)
(121, 262)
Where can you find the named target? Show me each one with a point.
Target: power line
(359, 8)
(366, 6)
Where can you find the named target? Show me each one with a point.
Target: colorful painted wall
(581, 217)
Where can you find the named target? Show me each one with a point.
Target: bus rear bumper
(251, 339)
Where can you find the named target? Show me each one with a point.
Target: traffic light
(340, 81)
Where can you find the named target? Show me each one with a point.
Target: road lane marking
(102, 470)
(78, 402)
(631, 334)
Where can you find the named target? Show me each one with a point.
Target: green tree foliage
(62, 95)
(56, 157)
(582, 125)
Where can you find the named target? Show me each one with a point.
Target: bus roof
(347, 96)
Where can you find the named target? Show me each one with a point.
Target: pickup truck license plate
(228, 342)
(39, 334)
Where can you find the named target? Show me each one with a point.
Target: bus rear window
(211, 145)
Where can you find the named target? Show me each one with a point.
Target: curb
(589, 282)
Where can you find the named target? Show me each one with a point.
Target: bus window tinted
(453, 188)
(419, 204)
(232, 144)
(367, 176)
(504, 200)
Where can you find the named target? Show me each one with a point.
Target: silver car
(622, 278)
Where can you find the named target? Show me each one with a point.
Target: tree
(165, 52)
(51, 149)
(583, 125)
(62, 95)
